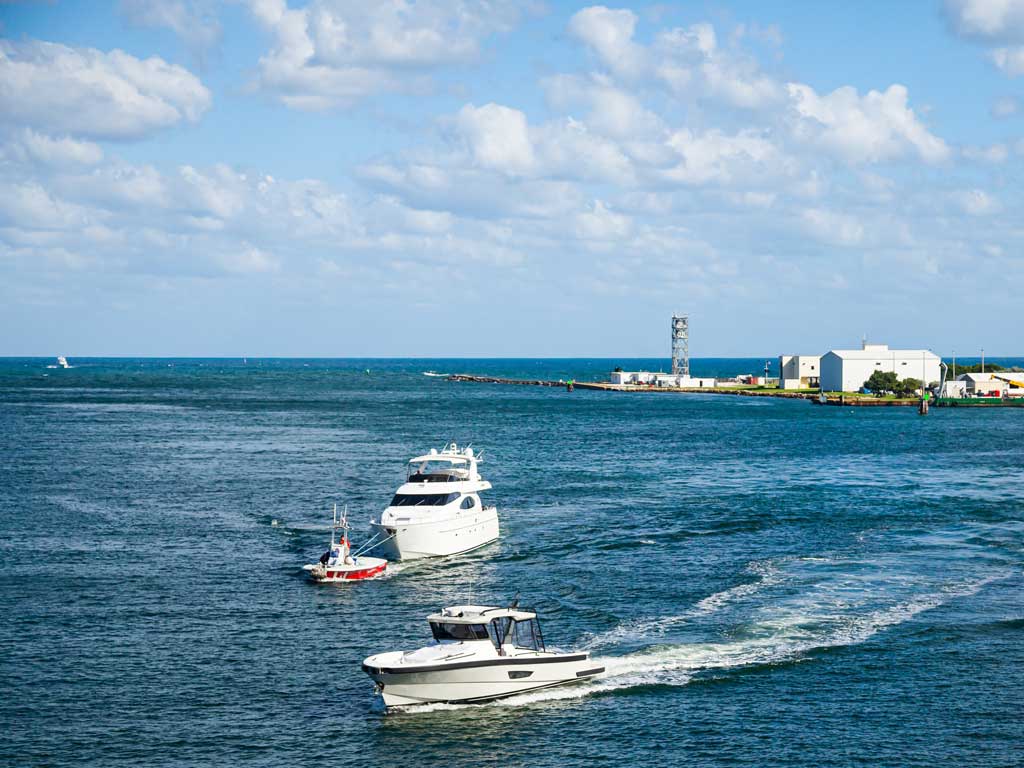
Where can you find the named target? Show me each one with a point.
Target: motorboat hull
(477, 681)
(365, 568)
(454, 535)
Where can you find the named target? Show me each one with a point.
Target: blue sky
(466, 178)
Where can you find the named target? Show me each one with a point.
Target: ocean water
(768, 582)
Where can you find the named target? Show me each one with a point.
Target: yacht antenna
(515, 602)
(334, 524)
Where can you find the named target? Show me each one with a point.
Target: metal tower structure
(680, 345)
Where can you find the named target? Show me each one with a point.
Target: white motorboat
(438, 510)
(480, 653)
(338, 563)
(62, 362)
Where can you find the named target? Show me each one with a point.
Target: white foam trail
(767, 573)
(785, 634)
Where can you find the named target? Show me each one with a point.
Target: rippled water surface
(766, 581)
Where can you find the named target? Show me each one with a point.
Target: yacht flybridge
(438, 510)
(480, 653)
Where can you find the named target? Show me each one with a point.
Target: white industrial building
(799, 371)
(651, 379)
(846, 370)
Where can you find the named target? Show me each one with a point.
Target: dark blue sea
(768, 582)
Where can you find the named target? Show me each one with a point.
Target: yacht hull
(477, 681)
(462, 532)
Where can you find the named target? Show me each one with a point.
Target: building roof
(883, 354)
(981, 378)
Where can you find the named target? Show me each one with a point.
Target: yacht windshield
(446, 631)
(423, 499)
(438, 472)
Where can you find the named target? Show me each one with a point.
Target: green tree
(880, 382)
(907, 387)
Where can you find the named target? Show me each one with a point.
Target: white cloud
(65, 151)
(29, 205)
(602, 224)
(193, 21)
(686, 60)
(609, 33)
(569, 149)
(86, 92)
(876, 127)
(248, 260)
(498, 138)
(987, 20)
(1007, 106)
(333, 53)
(995, 153)
(611, 110)
(833, 227)
(976, 202)
(719, 157)
(993, 23)
(1009, 60)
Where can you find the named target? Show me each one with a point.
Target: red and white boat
(338, 563)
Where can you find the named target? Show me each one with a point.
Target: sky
(525, 179)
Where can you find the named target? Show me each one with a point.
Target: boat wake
(794, 607)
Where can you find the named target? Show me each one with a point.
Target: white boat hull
(464, 531)
(475, 681)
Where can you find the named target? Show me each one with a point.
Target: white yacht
(480, 653)
(438, 510)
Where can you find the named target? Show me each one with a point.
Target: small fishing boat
(338, 563)
(479, 653)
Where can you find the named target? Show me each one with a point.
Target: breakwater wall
(607, 387)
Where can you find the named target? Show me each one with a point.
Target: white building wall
(846, 370)
(797, 371)
(650, 378)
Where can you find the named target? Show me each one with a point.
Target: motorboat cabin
(479, 653)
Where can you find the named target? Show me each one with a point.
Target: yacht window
(526, 634)
(435, 477)
(446, 631)
(468, 503)
(423, 499)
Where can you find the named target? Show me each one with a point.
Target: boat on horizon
(62, 362)
(479, 654)
(437, 511)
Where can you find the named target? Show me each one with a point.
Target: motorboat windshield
(520, 633)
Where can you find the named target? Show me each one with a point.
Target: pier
(609, 387)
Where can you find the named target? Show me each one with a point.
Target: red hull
(353, 575)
